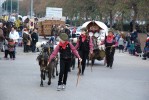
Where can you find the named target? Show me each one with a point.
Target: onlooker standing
(1, 37)
(6, 48)
(128, 41)
(121, 44)
(146, 49)
(25, 39)
(14, 35)
(138, 50)
(11, 48)
(132, 48)
(34, 37)
(134, 35)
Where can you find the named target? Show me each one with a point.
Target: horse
(47, 70)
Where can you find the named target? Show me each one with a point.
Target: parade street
(127, 80)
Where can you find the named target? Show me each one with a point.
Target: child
(6, 48)
(65, 48)
(132, 48)
(11, 48)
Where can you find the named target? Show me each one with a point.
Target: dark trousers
(64, 68)
(12, 54)
(121, 48)
(110, 56)
(73, 62)
(33, 47)
(84, 56)
(6, 53)
(26, 47)
(146, 55)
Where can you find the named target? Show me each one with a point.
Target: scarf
(83, 37)
(63, 45)
(110, 38)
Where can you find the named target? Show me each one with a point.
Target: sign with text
(53, 12)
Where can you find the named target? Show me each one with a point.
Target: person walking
(65, 48)
(110, 44)
(84, 46)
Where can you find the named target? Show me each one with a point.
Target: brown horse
(46, 70)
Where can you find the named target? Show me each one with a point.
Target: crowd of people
(81, 49)
(11, 37)
(132, 44)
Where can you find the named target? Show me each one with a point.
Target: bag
(28, 43)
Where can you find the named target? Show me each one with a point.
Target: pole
(18, 7)
(11, 8)
(31, 12)
(6, 6)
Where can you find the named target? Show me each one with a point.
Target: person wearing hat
(65, 48)
(84, 46)
(110, 44)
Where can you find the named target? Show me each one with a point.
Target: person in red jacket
(65, 48)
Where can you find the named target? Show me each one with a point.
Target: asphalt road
(128, 80)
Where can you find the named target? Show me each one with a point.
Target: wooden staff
(79, 67)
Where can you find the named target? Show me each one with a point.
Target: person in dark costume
(65, 48)
(84, 46)
(110, 44)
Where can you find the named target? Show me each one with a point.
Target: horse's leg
(41, 75)
(53, 71)
(49, 74)
(44, 75)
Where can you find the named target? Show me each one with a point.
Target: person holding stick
(84, 46)
(110, 44)
(65, 48)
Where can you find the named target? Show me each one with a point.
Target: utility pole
(18, 7)
(31, 12)
(6, 6)
(11, 8)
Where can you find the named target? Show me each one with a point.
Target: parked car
(78, 31)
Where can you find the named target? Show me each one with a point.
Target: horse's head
(46, 49)
(44, 55)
